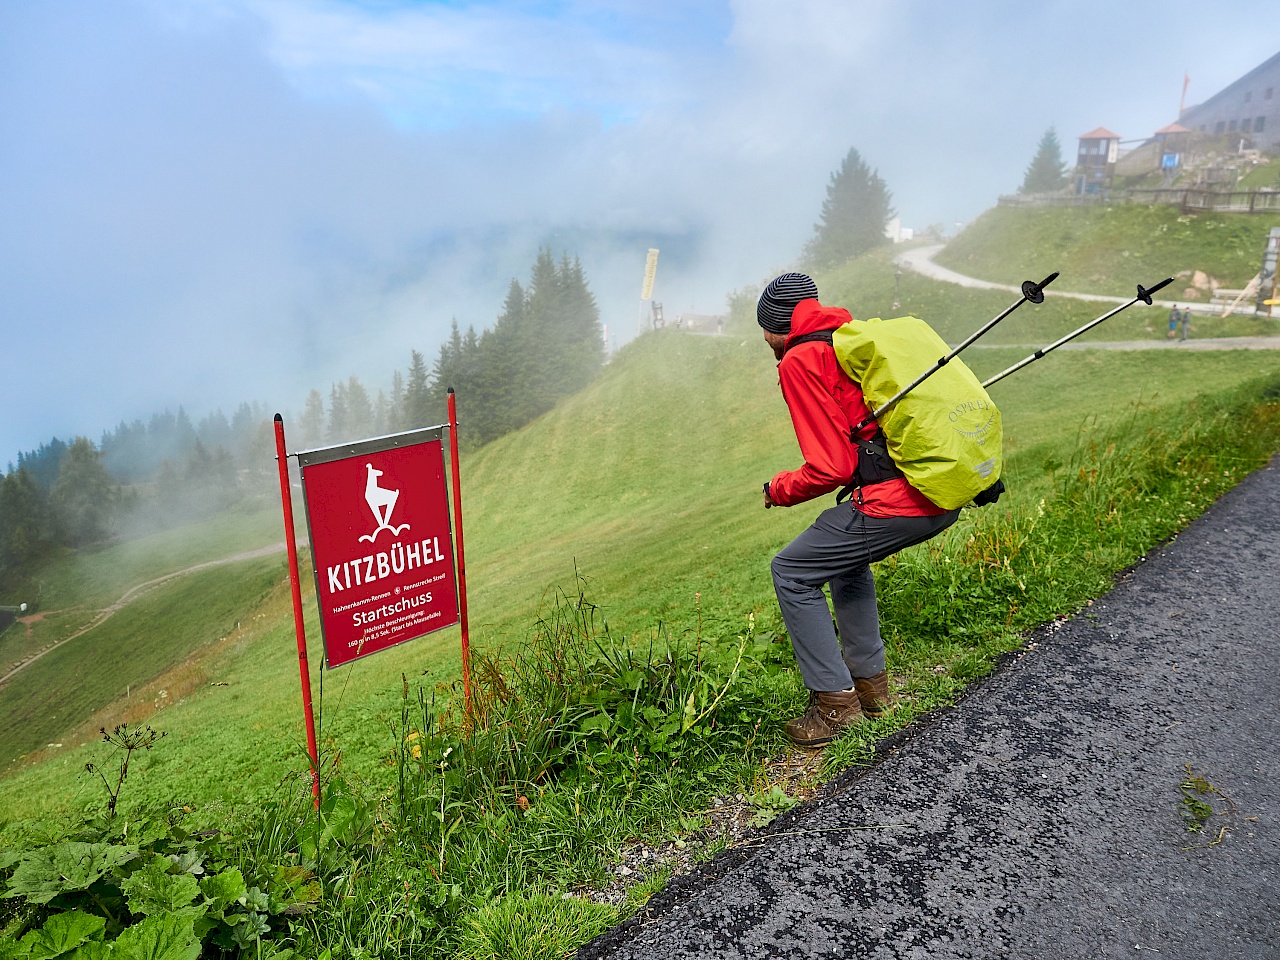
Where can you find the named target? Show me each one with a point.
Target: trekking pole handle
(1032, 292)
(1144, 295)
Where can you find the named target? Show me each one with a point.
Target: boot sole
(809, 744)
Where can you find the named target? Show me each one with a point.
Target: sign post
(462, 563)
(382, 548)
(295, 587)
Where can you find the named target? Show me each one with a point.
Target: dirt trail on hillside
(132, 594)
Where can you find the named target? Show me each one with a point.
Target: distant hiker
(1186, 322)
(1175, 317)
(845, 674)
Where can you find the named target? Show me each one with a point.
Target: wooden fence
(1191, 199)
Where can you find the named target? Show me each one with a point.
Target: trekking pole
(1144, 295)
(1032, 292)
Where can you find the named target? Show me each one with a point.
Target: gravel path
(1160, 343)
(920, 260)
(1043, 816)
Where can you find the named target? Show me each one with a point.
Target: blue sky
(209, 201)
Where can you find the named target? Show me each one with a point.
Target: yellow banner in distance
(650, 272)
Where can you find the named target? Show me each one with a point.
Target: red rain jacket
(825, 403)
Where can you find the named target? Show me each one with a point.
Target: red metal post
(462, 563)
(295, 584)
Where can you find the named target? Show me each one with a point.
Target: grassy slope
(99, 577)
(1263, 175)
(143, 640)
(865, 286)
(1109, 249)
(647, 481)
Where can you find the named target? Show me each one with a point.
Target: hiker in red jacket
(845, 673)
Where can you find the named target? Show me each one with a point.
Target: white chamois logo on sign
(381, 501)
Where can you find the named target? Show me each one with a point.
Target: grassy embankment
(648, 480)
(1109, 249)
(1263, 175)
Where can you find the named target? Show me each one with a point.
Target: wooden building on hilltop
(1096, 160)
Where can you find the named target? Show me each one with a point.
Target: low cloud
(206, 202)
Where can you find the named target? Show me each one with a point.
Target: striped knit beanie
(780, 298)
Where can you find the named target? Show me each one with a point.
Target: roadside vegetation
(630, 667)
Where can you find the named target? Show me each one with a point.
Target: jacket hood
(810, 316)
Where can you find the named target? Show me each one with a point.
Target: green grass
(144, 639)
(583, 742)
(1263, 175)
(1109, 249)
(22, 640)
(529, 927)
(97, 577)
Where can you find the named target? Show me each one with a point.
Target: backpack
(946, 434)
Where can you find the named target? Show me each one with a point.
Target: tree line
(545, 344)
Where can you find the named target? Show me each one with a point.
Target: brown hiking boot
(826, 718)
(873, 694)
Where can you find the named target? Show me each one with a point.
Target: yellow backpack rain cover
(945, 435)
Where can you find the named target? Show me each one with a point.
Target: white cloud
(203, 201)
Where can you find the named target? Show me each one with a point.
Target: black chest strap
(820, 336)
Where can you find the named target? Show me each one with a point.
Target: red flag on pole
(1182, 104)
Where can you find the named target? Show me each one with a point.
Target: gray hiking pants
(838, 549)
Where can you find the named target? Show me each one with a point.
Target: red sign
(380, 543)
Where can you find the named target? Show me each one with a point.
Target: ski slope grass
(646, 484)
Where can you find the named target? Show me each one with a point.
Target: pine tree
(417, 398)
(339, 423)
(184, 432)
(312, 421)
(247, 425)
(1046, 172)
(504, 361)
(85, 498)
(585, 347)
(854, 214)
(395, 409)
(214, 430)
(359, 409)
(26, 522)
